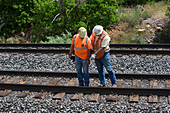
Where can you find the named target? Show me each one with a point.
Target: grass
(130, 20)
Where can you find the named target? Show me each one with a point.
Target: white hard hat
(82, 32)
(97, 30)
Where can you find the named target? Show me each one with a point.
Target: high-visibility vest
(96, 45)
(80, 47)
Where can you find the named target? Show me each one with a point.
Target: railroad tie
(143, 55)
(1, 77)
(12, 80)
(134, 48)
(23, 81)
(38, 81)
(134, 98)
(159, 55)
(136, 84)
(50, 54)
(153, 84)
(38, 54)
(55, 81)
(72, 82)
(153, 99)
(132, 55)
(5, 93)
(112, 98)
(40, 95)
(93, 98)
(77, 97)
(167, 83)
(23, 94)
(119, 83)
(59, 96)
(92, 80)
(26, 53)
(14, 53)
(118, 55)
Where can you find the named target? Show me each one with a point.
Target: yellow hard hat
(82, 32)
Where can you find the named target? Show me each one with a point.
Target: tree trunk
(63, 8)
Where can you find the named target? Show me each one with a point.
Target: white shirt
(105, 42)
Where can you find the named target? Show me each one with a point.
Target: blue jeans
(104, 61)
(80, 63)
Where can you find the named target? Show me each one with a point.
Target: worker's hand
(70, 55)
(88, 62)
(93, 56)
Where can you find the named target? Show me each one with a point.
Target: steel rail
(74, 74)
(167, 52)
(79, 89)
(68, 45)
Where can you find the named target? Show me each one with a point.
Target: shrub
(63, 39)
(16, 14)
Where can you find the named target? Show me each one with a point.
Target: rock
(141, 31)
(158, 29)
(22, 34)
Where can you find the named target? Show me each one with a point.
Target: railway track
(40, 85)
(40, 89)
(139, 84)
(64, 48)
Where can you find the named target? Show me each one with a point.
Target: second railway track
(64, 48)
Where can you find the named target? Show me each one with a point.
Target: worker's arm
(89, 55)
(71, 50)
(99, 50)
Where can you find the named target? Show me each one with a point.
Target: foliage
(168, 12)
(16, 14)
(132, 16)
(34, 17)
(87, 14)
(136, 2)
(45, 11)
(63, 39)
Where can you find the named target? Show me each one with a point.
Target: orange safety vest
(80, 47)
(96, 45)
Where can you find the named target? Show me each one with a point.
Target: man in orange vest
(100, 41)
(81, 45)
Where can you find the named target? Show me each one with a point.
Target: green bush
(137, 2)
(63, 39)
(168, 12)
(34, 17)
(87, 14)
(16, 14)
(44, 12)
(132, 16)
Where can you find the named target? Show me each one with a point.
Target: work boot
(114, 85)
(101, 85)
(81, 84)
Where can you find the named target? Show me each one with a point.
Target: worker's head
(82, 32)
(97, 30)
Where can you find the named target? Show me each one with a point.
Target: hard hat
(82, 32)
(97, 30)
